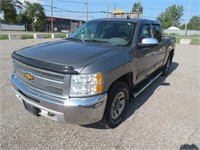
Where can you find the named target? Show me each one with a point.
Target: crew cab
(92, 75)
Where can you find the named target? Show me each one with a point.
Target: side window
(145, 32)
(157, 32)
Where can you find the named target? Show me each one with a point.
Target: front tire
(118, 96)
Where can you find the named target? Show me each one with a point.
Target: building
(121, 14)
(63, 24)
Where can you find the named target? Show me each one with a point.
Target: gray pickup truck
(91, 76)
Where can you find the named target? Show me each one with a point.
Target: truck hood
(63, 56)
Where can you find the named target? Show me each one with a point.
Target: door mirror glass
(148, 42)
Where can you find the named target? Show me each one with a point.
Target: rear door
(159, 50)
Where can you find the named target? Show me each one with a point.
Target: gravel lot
(165, 116)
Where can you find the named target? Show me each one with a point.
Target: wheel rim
(118, 105)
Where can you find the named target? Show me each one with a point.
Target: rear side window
(145, 32)
(157, 32)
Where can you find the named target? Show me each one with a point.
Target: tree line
(30, 14)
(171, 17)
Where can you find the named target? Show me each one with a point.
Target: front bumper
(71, 110)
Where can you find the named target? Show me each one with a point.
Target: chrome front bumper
(71, 110)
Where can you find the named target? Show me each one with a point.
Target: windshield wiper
(77, 39)
(98, 41)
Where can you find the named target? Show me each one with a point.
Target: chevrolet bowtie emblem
(28, 76)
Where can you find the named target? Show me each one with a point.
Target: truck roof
(136, 20)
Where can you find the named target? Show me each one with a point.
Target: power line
(74, 11)
(76, 2)
(110, 4)
(138, 8)
(86, 10)
(146, 8)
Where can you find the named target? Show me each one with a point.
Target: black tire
(118, 96)
(166, 67)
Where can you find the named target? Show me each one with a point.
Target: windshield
(108, 32)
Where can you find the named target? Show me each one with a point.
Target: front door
(144, 56)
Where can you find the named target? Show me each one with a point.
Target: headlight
(86, 85)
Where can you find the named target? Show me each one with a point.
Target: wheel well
(128, 79)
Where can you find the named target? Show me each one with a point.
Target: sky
(151, 8)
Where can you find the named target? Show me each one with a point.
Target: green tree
(171, 16)
(36, 15)
(18, 5)
(182, 27)
(194, 23)
(135, 7)
(40, 24)
(21, 18)
(10, 12)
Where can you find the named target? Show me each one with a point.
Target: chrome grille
(44, 81)
(40, 73)
(38, 85)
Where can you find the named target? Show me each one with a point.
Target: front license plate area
(33, 110)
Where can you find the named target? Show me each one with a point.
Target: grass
(47, 36)
(26, 36)
(4, 37)
(63, 35)
(194, 40)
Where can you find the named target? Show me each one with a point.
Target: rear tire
(118, 96)
(166, 67)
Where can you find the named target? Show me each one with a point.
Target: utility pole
(130, 10)
(52, 16)
(61, 11)
(86, 10)
(107, 7)
(188, 14)
(138, 8)
(114, 10)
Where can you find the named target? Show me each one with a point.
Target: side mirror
(148, 42)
